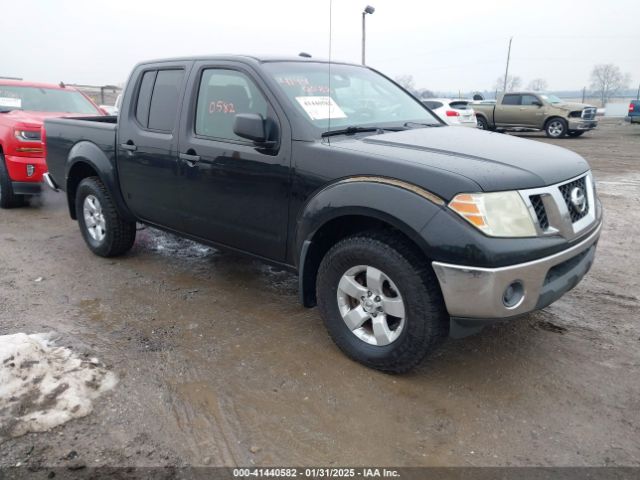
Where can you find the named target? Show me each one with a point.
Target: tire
(8, 199)
(409, 338)
(107, 234)
(575, 134)
(556, 128)
(482, 123)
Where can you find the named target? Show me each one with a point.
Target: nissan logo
(578, 200)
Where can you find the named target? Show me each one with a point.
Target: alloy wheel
(94, 218)
(371, 305)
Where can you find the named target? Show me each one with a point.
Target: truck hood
(569, 106)
(494, 161)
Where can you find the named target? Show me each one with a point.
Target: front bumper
(26, 188)
(476, 294)
(580, 124)
(20, 167)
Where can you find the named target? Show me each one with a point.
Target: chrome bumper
(48, 179)
(582, 124)
(478, 293)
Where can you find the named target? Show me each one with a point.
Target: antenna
(329, 99)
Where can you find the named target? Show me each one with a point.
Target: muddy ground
(220, 365)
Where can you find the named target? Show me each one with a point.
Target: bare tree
(425, 93)
(607, 80)
(538, 85)
(407, 82)
(513, 83)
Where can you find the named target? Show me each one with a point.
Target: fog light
(30, 170)
(513, 294)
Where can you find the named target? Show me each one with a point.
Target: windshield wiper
(353, 130)
(409, 124)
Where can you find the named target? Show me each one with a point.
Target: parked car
(23, 107)
(110, 109)
(401, 229)
(452, 112)
(634, 111)
(536, 111)
(113, 109)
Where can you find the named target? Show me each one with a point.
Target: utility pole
(638, 94)
(506, 72)
(584, 89)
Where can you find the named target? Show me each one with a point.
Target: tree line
(606, 81)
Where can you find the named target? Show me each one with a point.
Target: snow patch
(43, 386)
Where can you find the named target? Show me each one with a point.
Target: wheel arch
(349, 207)
(86, 159)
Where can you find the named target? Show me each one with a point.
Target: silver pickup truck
(536, 111)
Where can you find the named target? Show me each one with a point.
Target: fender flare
(404, 206)
(88, 153)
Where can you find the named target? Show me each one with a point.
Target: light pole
(369, 9)
(506, 73)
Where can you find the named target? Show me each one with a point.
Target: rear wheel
(556, 128)
(8, 199)
(575, 133)
(105, 232)
(482, 123)
(381, 302)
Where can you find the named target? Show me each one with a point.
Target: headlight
(498, 214)
(27, 135)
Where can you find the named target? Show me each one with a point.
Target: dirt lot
(219, 365)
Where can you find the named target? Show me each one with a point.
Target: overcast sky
(446, 46)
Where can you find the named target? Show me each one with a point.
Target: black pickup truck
(401, 229)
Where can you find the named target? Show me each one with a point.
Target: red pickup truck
(23, 108)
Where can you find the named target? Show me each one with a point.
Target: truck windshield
(36, 99)
(351, 96)
(551, 98)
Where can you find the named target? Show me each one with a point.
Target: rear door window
(511, 100)
(144, 97)
(164, 101)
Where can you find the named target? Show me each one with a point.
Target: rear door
(507, 111)
(233, 192)
(148, 142)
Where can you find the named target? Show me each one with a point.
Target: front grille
(566, 190)
(589, 113)
(541, 213)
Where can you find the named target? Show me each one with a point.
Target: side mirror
(252, 127)
(537, 103)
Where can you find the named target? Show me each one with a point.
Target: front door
(531, 111)
(233, 192)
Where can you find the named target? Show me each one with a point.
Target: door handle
(128, 146)
(189, 158)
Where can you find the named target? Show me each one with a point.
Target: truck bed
(65, 134)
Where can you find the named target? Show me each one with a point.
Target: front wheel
(105, 232)
(575, 133)
(556, 128)
(381, 302)
(8, 199)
